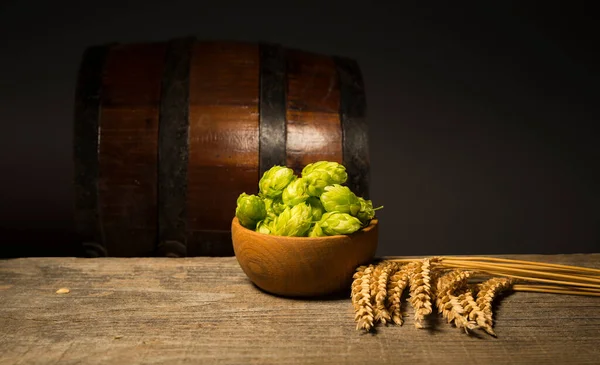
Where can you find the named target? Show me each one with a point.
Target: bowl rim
(374, 222)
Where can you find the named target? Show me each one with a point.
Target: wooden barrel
(168, 134)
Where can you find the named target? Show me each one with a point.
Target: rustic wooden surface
(204, 310)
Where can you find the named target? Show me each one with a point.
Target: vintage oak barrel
(168, 134)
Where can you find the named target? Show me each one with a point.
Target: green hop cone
(320, 174)
(366, 212)
(316, 181)
(317, 209)
(274, 180)
(250, 210)
(274, 207)
(336, 171)
(264, 226)
(295, 193)
(316, 231)
(338, 198)
(293, 221)
(334, 223)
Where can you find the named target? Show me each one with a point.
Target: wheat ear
(381, 312)
(396, 286)
(473, 312)
(451, 305)
(361, 299)
(356, 287)
(373, 286)
(488, 290)
(420, 291)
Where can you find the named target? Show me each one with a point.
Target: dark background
(481, 118)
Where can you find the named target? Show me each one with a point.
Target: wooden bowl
(302, 266)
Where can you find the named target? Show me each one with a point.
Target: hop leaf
(274, 180)
(336, 171)
(293, 221)
(316, 231)
(338, 198)
(366, 212)
(250, 210)
(316, 207)
(295, 193)
(334, 223)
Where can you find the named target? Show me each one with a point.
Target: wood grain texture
(128, 162)
(204, 310)
(313, 103)
(302, 266)
(186, 126)
(223, 136)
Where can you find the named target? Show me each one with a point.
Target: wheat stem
(593, 279)
(546, 277)
(553, 289)
(564, 287)
(578, 269)
(539, 269)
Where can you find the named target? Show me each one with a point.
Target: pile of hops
(314, 204)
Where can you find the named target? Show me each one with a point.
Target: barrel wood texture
(168, 134)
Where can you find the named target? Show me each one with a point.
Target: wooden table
(204, 310)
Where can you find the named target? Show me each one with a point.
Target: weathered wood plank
(181, 310)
